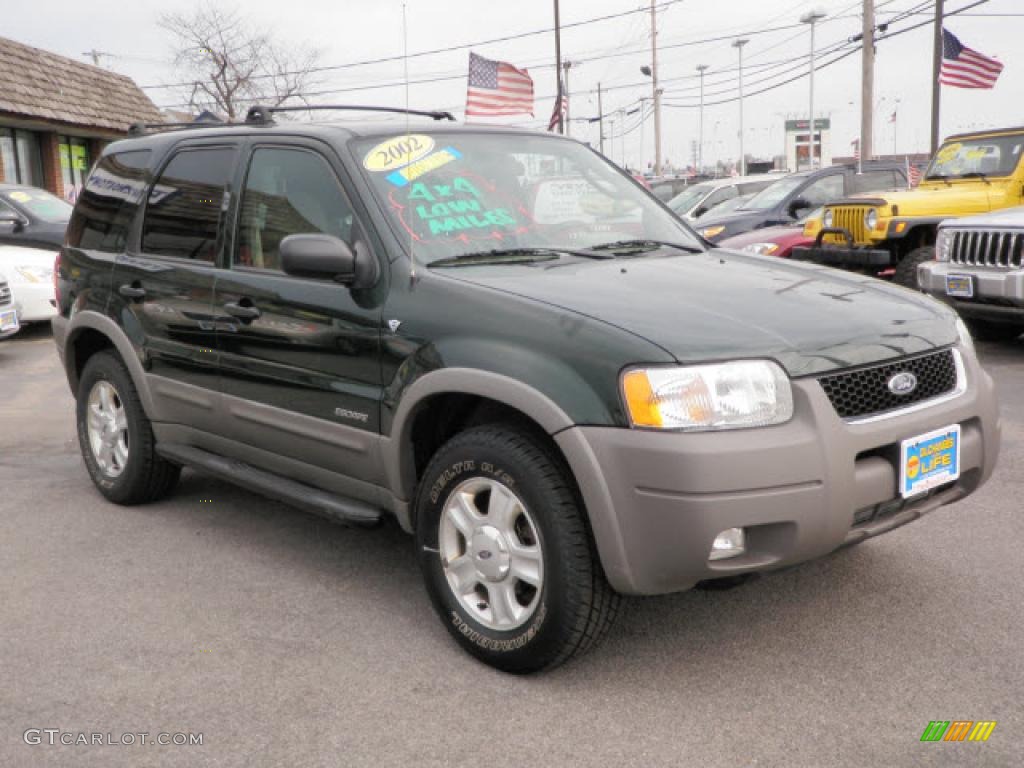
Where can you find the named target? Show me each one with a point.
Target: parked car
(32, 217)
(666, 187)
(29, 274)
(777, 241)
(548, 379)
(697, 200)
(789, 197)
(978, 268)
(971, 173)
(733, 203)
(9, 324)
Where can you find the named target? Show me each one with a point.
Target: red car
(777, 241)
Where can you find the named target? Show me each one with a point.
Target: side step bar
(337, 508)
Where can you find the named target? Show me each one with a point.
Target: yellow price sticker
(397, 152)
(948, 152)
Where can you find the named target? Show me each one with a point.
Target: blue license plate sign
(930, 460)
(8, 321)
(960, 285)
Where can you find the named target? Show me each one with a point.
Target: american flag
(560, 110)
(914, 175)
(497, 88)
(965, 68)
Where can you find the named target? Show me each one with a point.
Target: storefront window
(74, 165)
(20, 157)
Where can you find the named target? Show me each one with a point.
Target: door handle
(244, 312)
(133, 291)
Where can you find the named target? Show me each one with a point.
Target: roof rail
(262, 114)
(142, 129)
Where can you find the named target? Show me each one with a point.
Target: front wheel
(906, 270)
(506, 554)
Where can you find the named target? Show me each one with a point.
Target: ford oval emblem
(484, 554)
(903, 383)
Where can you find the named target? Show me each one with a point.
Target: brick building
(56, 114)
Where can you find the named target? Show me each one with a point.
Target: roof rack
(141, 129)
(263, 114)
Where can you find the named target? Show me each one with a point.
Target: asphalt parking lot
(286, 640)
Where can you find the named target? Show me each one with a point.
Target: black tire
(575, 605)
(906, 270)
(988, 330)
(146, 476)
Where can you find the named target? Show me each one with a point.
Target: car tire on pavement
(987, 330)
(115, 435)
(906, 270)
(506, 554)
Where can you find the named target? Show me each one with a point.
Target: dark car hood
(724, 305)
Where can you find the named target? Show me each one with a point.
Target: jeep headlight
(942, 245)
(871, 219)
(826, 220)
(744, 393)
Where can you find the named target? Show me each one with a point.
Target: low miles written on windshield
(459, 193)
(990, 156)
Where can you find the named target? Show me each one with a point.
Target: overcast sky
(355, 30)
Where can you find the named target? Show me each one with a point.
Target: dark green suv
(501, 341)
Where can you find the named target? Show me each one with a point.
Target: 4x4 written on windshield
(457, 205)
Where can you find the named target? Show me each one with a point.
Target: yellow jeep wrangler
(890, 233)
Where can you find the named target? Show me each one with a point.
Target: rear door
(166, 281)
(300, 357)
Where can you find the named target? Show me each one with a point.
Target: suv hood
(937, 199)
(1007, 217)
(723, 305)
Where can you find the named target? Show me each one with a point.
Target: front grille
(865, 391)
(850, 218)
(986, 247)
(5, 294)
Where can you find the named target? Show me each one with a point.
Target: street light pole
(812, 18)
(700, 141)
(558, 68)
(738, 45)
(654, 87)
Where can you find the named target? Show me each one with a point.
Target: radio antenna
(408, 147)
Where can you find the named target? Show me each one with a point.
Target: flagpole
(558, 68)
(936, 68)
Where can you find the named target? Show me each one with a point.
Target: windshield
(993, 156)
(773, 194)
(732, 204)
(469, 193)
(40, 203)
(686, 199)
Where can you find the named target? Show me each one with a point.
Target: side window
(720, 195)
(184, 208)
(873, 181)
(109, 201)
(287, 192)
(824, 190)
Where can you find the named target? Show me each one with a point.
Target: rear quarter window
(107, 205)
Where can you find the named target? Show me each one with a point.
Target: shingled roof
(40, 84)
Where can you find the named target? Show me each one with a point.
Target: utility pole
(600, 117)
(867, 84)
(95, 56)
(654, 86)
(738, 45)
(936, 67)
(812, 18)
(700, 133)
(558, 69)
(566, 66)
(642, 116)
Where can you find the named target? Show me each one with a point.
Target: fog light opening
(729, 543)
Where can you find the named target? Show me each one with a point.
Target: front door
(299, 357)
(167, 283)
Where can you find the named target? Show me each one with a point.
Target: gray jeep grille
(865, 391)
(986, 247)
(5, 294)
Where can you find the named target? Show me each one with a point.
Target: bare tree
(230, 66)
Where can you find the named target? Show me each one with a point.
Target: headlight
(871, 219)
(710, 232)
(942, 245)
(764, 249)
(826, 220)
(745, 393)
(35, 274)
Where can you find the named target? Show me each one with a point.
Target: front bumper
(657, 500)
(844, 257)
(35, 302)
(998, 293)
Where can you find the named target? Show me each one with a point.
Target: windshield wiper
(511, 256)
(940, 176)
(975, 175)
(642, 246)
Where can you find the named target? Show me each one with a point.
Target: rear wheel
(987, 330)
(115, 436)
(906, 270)
(506, 554)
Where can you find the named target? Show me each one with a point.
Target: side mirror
(10, 217)
(701, 210)
(318, 256)
(796, 206)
